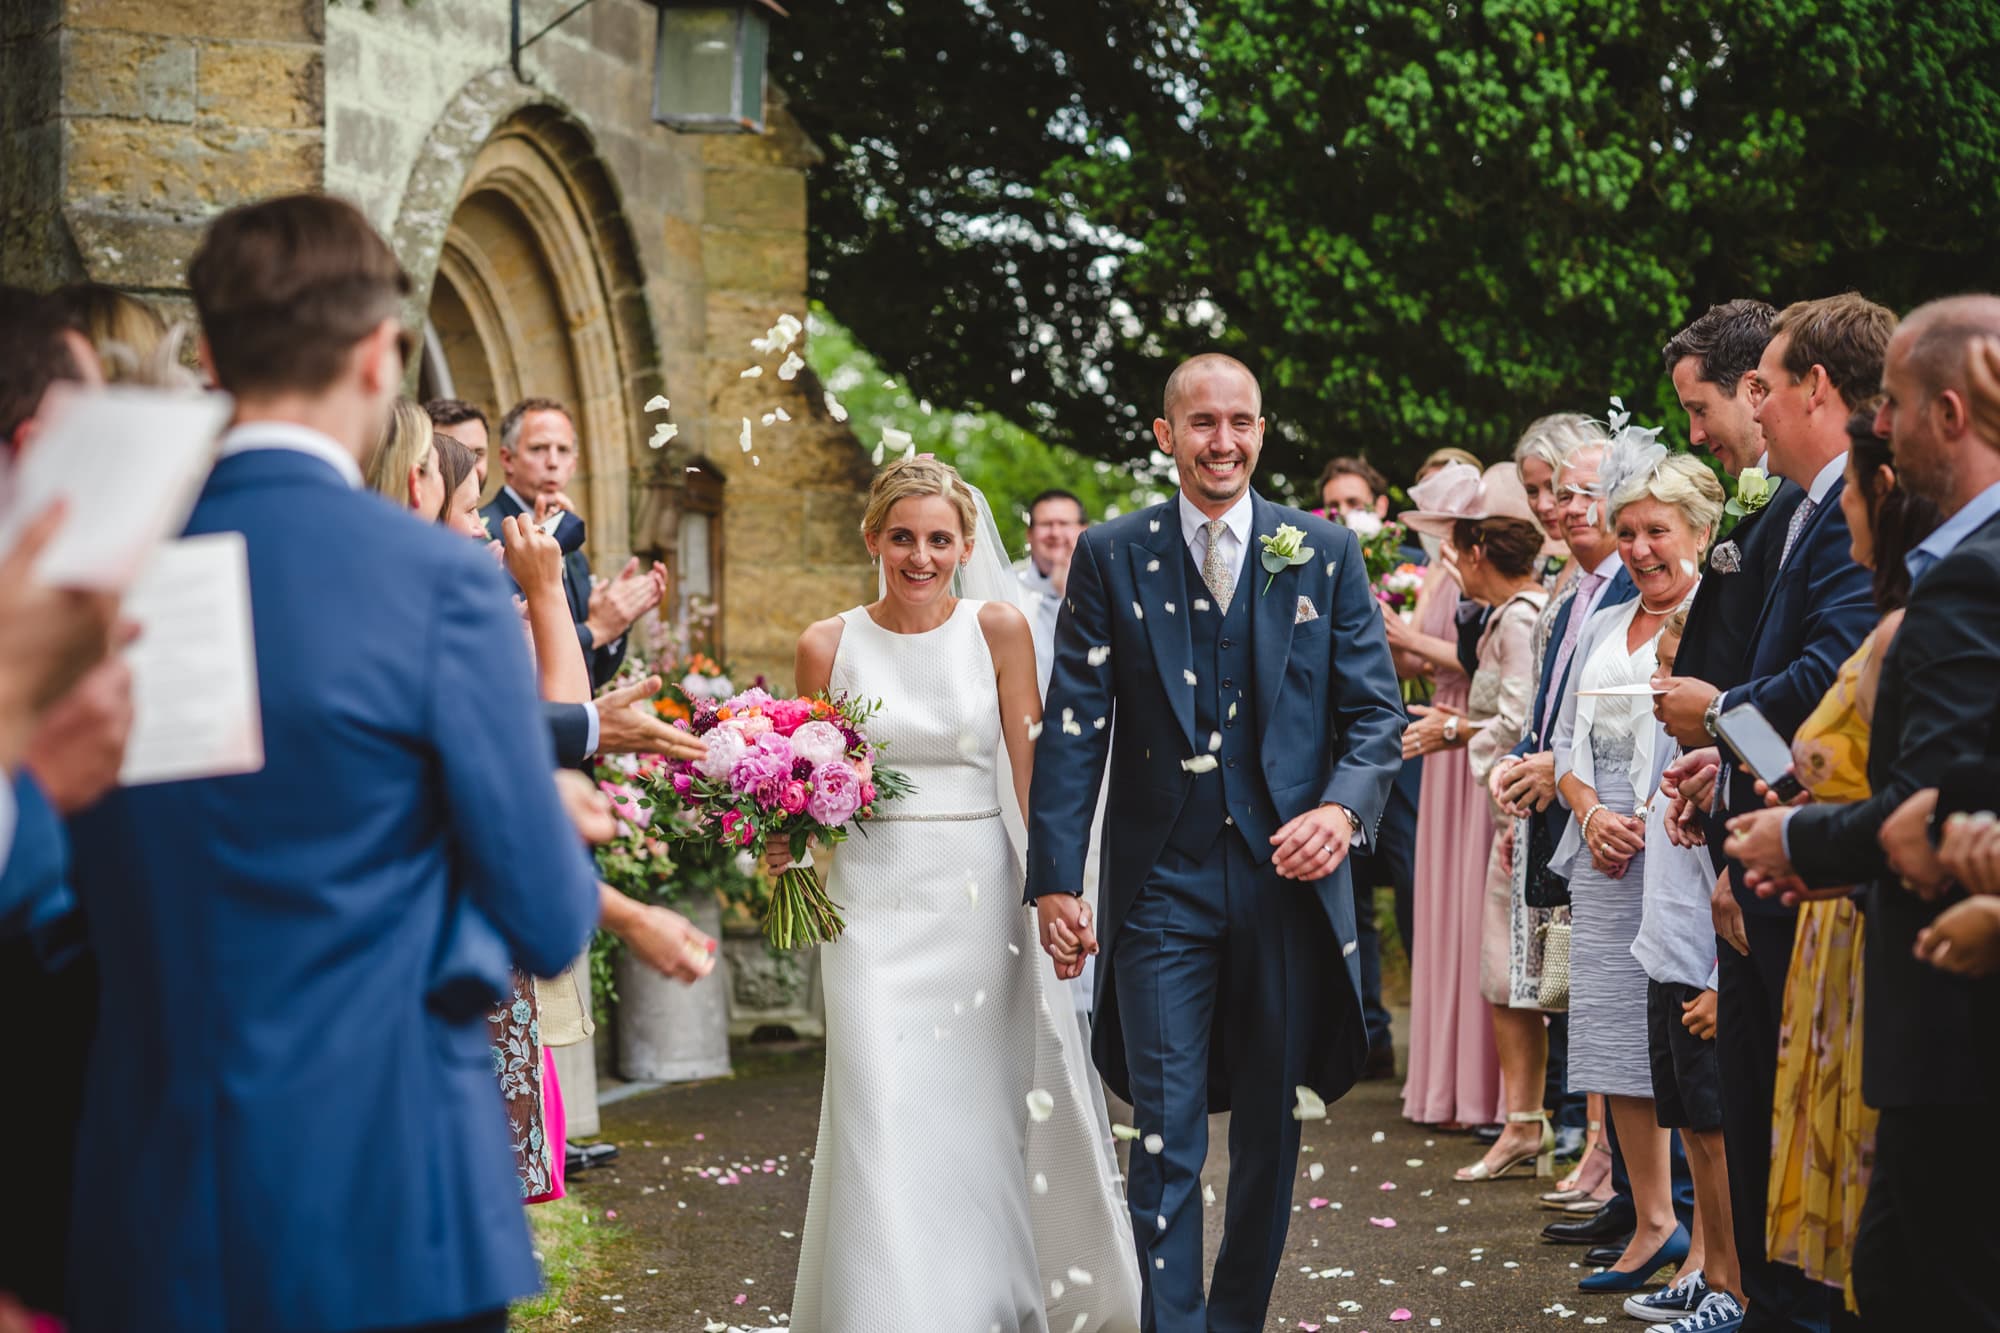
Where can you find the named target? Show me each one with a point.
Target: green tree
(1423, 223)
(1008, 463)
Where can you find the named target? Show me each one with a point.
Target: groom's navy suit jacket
(291, 1120)
(1325, 698)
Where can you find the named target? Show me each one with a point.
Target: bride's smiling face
(920, 546)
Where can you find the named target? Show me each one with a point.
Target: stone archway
(536, 285)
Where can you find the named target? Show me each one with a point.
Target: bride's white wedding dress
(938, 1201)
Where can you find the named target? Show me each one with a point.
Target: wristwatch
(1710, 714)
(1355, 831)
(1451, 730)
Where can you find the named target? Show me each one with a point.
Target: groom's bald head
(1204, 363)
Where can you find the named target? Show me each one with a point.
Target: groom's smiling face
(1212, 430)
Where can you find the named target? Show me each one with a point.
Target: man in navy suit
(538, 457)
(291, 1121)
(1234, 649)
(1824, 357)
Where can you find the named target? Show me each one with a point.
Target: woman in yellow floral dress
(1823, 1136)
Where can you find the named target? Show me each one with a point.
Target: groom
(1257, 723)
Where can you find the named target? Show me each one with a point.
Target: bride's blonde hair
(916, 478)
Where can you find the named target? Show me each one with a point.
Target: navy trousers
(1213, 959)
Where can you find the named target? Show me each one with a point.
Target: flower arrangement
(1398, 588)
(790, 769)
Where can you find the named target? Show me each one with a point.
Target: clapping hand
(614, 605)
(1065, 925)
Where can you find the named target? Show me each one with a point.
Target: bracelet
(1589, 815)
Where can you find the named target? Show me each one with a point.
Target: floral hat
(1458, 490)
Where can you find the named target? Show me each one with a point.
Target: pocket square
(1307, 611)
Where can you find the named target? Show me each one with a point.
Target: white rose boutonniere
(1282, 551)
(1753, 492)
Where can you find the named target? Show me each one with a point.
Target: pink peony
(683, 783)
(758, 766)
(726, 745)
(867, 793)
(836, 794)
(818, 743)
(788, 715)
(737, 830)
(751, 727)
(625, 804)
(777, 746)
(750, 698)
(792, 800)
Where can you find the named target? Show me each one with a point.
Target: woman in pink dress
(1454, 1068)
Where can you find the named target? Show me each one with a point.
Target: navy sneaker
(1718, 1314)
(1676, 1301)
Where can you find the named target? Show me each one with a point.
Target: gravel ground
(710, 1194)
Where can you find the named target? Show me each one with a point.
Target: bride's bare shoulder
(821, 637)
(1001, 620)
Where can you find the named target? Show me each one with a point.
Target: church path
(711, 1193)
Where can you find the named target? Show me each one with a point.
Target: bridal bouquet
(778, 769)
(1398, 589)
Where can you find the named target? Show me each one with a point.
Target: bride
(963, 1179)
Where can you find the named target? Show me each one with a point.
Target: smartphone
(1763, 751)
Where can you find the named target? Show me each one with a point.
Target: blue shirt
(1944, 539)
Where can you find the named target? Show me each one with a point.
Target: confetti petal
(1098, 656)
(744, 437)
(1388, 1222)
(662, 433)
(1315, 1171)
(833, 407)
(1040, 1105)
(789, 368)
(751, 373)
(658, 403)
(1155, 1144)
(1125, 1132)
(1206, 763)
(1310, 1105)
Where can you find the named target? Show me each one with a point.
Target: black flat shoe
(1612, 1223)
(1605, 1255)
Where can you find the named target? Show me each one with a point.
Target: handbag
(1554, 995)
(1540, 886)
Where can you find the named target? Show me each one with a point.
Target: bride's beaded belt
(885, 818)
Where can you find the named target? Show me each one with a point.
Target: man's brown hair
(286, 287)
(1846, 335)
(1378, 485)
(510, 425)
(453, 412)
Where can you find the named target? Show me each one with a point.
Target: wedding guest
(1664, 510)
(338, 919)
(1579, 1124)
(1930, 1063)
(132, 339)
(1352, 485)
(1347, 486)
(1055, 520)
(1453, 1079)
(466, 424)
(1824, 359)
(403, 467)
(65, 710)
(1676, 948)
(1824, 1133)
(458, 469)
(1498, 547)
(538, 457)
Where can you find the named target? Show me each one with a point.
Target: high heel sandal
(1571, 1188)
(1543, 1154)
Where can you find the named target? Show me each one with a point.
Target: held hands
(1614, 840)
(626, 724)
(616, 604)
(1427, 734)
(1525, 786)
(1312, 845)
(1688, 784)
(1964, 940)
(1970, 851)
(1065, 925)
(1906, 838)
(1683, 707)
(1728, 916)
(1698, 1015)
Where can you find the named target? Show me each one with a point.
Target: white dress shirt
(1043, 605)
(1235, 536)
(1823, 483)
(299, 439)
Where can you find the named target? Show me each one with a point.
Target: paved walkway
(711, 1193)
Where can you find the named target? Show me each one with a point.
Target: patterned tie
(1799, 518)
(1579, 609)
(1215, 571)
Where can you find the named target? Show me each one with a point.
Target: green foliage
(1008, 463)
(1422, 223)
